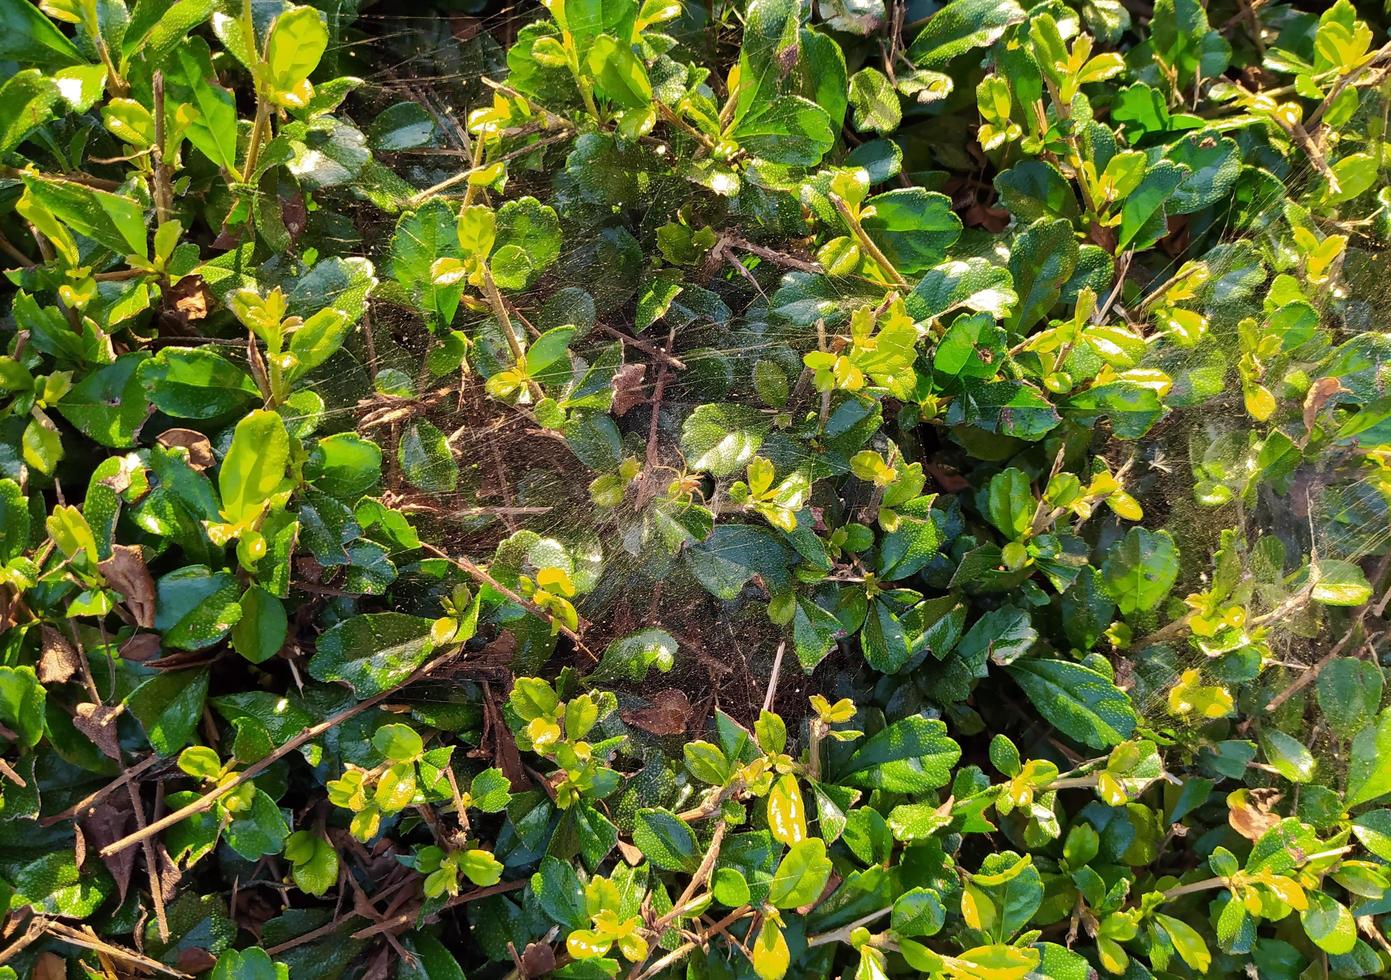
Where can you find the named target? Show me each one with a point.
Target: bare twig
(480, 575)
(206, 801)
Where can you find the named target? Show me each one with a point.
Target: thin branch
(406, 918)
(647, 347)
(843, 933)
(480, 575)
(206, 801)
(92, 799)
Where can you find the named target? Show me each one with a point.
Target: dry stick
(773, 679)
(867, 244)
(31, 932)
(649, 469)
(697, 879)
(91, 800)
(151, 865)
(459, 178)
(8, 772)
(75, 937)
(406, 918)
(504, 322)
(163, 196)
(650, 349)
(1310, 675)
(843, 933)
(481, 576)
(773, 255)
(206, 801)
(1374, 62)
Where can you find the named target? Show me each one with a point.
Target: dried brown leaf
(200, 450)
(49, 966)
(141, 647)
(125, 572)
(1249, 812)
(627, 388)
(667, 713)
(98, 722)
(105, 824)
(59, 661)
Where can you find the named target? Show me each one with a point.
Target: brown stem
(406, 918)
(481, 576)
(206, 801)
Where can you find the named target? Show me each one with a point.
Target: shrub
(878, 492)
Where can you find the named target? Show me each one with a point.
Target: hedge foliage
(695, 490)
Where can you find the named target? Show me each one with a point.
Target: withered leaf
(1249, 812)
(668, 713)
(49, 966)
(105, 824)
(58, 662)
(200, 450)
(627, 388)
(98, 722)
(125, 572)
(537, 960)
(141, 647)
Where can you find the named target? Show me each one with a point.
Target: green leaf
(22, 701)
(875, 101)
(1143, 211)
(1369, 771)
(25, 101)
(296, 43)
(208, 111)
(788, 129)
(254, 469)
(372, 653)
(1080, 703)
(1035, 189)
(403, 126)
(255, 963)
(1349, 692)
(345, 465)
(1288, 755)
(532, 227)
(169, 707)
(621, 77)
(259, 831)
(1011, 503)
(560, 893)
(721, 438)
(1328, 923)
(54, 885)
(665, 840)
(735, 553)
(631, 657)
(1187, 941)
(1339, 583)
(109, 404)
(912, 755)
(263, 627)
(913, 227)
(974, 284)
(31, 39)
(1042, 259)
(195, 607)
(109, 219)
(801, 876)
(1140, 569)
(195, 383)
(425, 458)
(960, 26)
